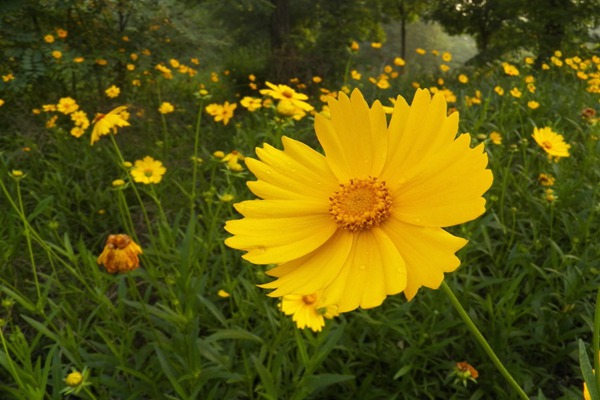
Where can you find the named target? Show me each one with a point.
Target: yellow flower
(529, 60)
(120, 254)
(283, 92)
(376, 45)
(444, 67)
(166, 108)
(305, 311)
(130, 67)
(232, 159)
(51, 123)
(420, 51)
(57, 54)
(222, 112)
(364, 220)
(49, 38)
(462, 78)
(510, 69)
(67, 105)
(113, 92)
(496, 138)
(499, 90)
(77, 131)
(354, 46)
(550, 195)
(148, 170)
(166, 72)
(80, 119)
(222, 293)
(2, 103)
(118, 183)
(106, 123)
(546, 179)
(61, 33)
(533, 104)
(552, 143)
(8, 77)
(288, 109)
(78, 60)
(399, 62)
(251, 103)
(447, 57)
(463, 372)
(355, 75)
(515, 92)
(17, 173)
(74, 379)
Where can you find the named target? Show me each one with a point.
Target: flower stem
(482, 341)
(195, 161)
(596, 340)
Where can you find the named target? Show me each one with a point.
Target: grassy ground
(528, 278)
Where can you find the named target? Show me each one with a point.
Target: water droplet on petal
(362, 267)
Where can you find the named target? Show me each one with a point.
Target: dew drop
(362, 267)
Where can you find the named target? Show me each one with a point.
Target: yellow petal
(428, 253)
(418, 132)
(277, 240)
(355, 138)
(282, 208)
(446, 189)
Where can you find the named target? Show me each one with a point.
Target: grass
(528, 279)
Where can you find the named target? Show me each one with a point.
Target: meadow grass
(528, 276)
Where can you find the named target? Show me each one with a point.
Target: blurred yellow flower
(8, 77)
(77, 131)
(148, 170)
(2, 103)
(57, 54)
(447, 57)
(546, 179)
(67, 105)
(496, 138)
(305, 313)
(354, 46)
(552, 143)
(107, 123)
(223, 294)
(462, 78)
(78, 60)
(356, 232)
(232, 159)
(283, 92)
(399, 62)
(49, 38)
(355, 75)
(166, 72)
(120, 254)
(219, 154)
(112, 92)
(61, 33)
(101, 61)
(80, 119)
(166, 108)
(74, 379)
(550, 195)
(221, 112)
(463, 372)
(499, 90)
(420, 51)
(226, 198)
(515, 92)
(510, 69)
(51, 123)
(533, 104)
(251, 103)
(118, 183)
(376, 45)
(529, 60)
(444, 67)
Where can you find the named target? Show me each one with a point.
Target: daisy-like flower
(120, 254)
(496, 138)
(283, 92)
(546, 179)
(251, 103)
(533, 104)
(510, 69)
(552, 143)
(49, 38)
(80, 119)
(305, 311)
(107, 123)
(112, 92)
(462, 78)
(57, 54)
(148, 170)
(463, 372)
(166, 108)
(364, 220)
(67, 105)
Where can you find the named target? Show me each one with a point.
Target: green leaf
(322, 380)
(588, 373)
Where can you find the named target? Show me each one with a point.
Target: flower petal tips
(365, 220)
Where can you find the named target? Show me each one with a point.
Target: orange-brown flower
(120, 254)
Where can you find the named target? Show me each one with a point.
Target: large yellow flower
(120, 254)
(364, 220)
(553, 143)
(148, 170)
(105, 123)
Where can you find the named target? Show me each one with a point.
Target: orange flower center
(148, 172)
(309, 299)
(288, 94)
(546, 144)
(360, 204)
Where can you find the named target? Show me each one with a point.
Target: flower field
(176, 229)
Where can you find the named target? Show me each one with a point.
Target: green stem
(27, 228)
(195, 161)
(482, 341)
(12, 366)
(596, 340)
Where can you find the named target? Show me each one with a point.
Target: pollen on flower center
(309, 299)
(547, 144)
(288, 94)
(360, 204)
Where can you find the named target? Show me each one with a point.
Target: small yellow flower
(529, 60)
(2, 103)
(222, 293)
(283, 92)
(496, 138)
(226, 198)
(462, 78)
(550, 195)
(552, 143)
(74, 379)
(16, 173)
(78, 60)
(447, 57)
(499, 90)
(120, 254)
(533, 104)
(166, 108)
(355, 75)
(317, 79)
(51, 123)
(118, 183)
(251, 103)
(546, 179)
(77, 131)
(130, 67)
(113, 92)
(444, 67)
(305, 312)
(219, 154)
(67, 105)
(80, 119)
(107, 123)
(354, 46)
(232, 159)
(8, 77)
(376, 45)
(420, 51)
(57, 54)
(148, 170)
(49, 38)
(515, 92)
(399, 62)
(61, 33)
(464, 372)
(510, 69)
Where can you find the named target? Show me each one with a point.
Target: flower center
(288, 94)
(547, 144)
(148, 172)
(360, 204)
(309, 299)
